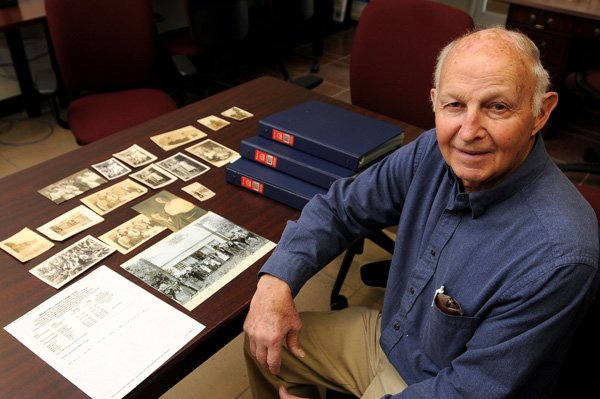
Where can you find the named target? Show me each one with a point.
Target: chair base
(338, 301)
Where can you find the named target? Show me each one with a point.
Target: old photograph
(237, 113)
(72, 186)
(72, 261)
(213, 122)
(111, 168)
(154, 176)
(213, 152)
(114, 196)
(70, 223)
(198, 191)
(175, 138)
(195, 262)
(26, 245)
(135, 156)
(183, 166)
(132, 234)
(169, 210)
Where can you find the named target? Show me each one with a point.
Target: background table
(23, 374)
(27, 12)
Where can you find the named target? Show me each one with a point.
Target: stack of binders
(300, 151)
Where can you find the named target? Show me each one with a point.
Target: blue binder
(336, 134)
(271, 183)
(292, 162)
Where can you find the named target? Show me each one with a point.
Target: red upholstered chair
(585, 344)
(394, 53)
(106, 52)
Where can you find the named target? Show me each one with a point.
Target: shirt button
(396, 326)
(412, 290)
(433, 253)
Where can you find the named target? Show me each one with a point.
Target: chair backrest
(394, 53)
(216, 23)
(585, 345)
(102, 44)
(292, 11)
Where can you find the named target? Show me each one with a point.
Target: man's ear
(432, 97)
(548, 104)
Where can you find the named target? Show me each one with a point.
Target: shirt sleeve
(520, 332)
(352, 208)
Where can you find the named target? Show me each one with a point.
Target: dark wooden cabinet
(562, 30)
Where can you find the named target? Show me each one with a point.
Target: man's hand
(271, 319)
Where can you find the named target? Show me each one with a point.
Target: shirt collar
(521, 177)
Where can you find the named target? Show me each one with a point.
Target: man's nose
(472, 125)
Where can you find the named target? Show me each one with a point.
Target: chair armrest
(308, 81)
(184, 65)
(45, 82)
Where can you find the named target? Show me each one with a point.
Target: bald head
(501, 46)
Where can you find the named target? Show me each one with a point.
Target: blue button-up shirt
(519, 258)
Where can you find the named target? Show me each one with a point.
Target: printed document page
(104, 333)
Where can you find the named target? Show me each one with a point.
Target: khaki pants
(342, 353)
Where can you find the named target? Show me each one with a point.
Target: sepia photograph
(213, 122)
(169, 210)
(135, 156)
(183, 166)
(72, 261)
(175, 138)
(72, 186)
(154, 176)
(70, 223)
(237, 113)
(111, 168)
(132, 234)
(191, 264)
(213, 152)
(114, 196)
(26, 245)
(198, 191)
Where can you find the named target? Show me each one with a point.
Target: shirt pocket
(446, 336)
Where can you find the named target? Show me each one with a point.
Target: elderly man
(495, 258)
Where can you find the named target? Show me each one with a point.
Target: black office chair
(393, 57)
(290, 19)
(278, 27)
(214, 40)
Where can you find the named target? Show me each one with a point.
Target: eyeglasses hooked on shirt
(446, 303)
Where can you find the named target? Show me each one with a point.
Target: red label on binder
(282, 137)
(266, 159)
(252, 185)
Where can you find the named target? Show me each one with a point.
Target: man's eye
(499, 107)
(454, 104)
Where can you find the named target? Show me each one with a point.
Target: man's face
(483, 112)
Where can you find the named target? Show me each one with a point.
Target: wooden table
(23, 374)
(27, 12)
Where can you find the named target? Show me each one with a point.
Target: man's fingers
(274, 358)
(261, 355)
(293, 343)
(252, 346)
